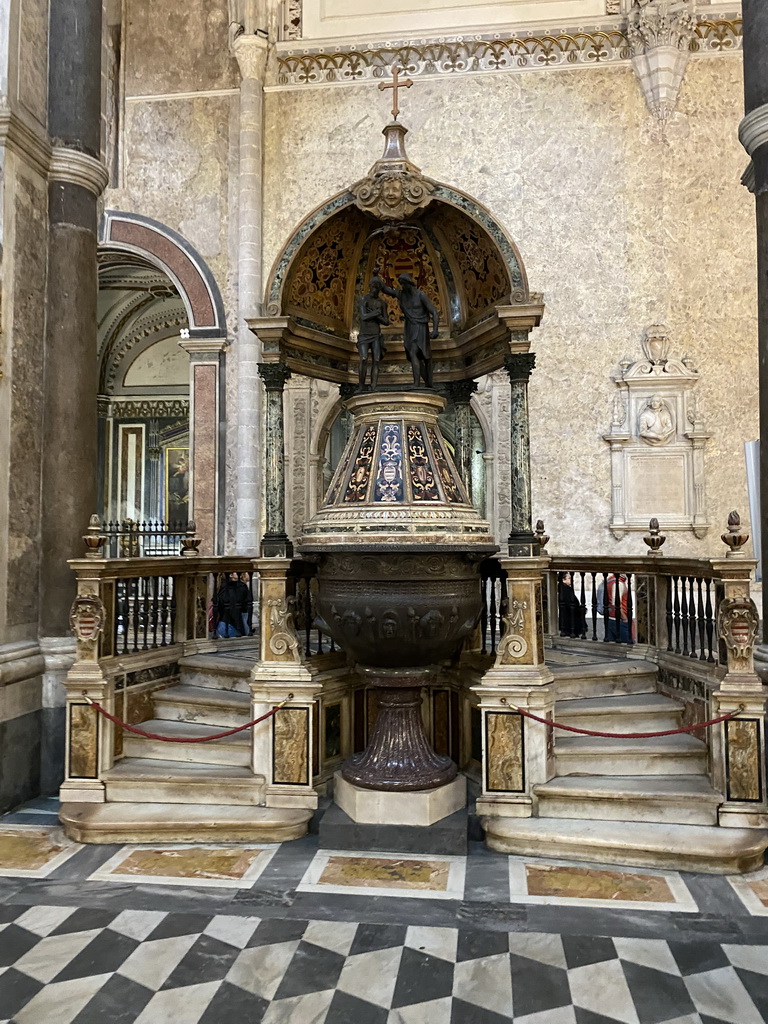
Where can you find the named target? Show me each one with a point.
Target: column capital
(200, 348)
(460, 391)
(250, 51)
(274, 375)
(78, 168)
(519, 366)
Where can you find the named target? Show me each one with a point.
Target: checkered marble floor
(72, 965)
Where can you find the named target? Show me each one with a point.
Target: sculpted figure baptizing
(418, 311)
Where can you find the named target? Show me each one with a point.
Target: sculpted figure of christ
(418, 312)
(373, 316)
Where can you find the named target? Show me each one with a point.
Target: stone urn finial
(540, 535)
(94, 538)
(190, 543)
(655, 539)
(656, 344)
(736, 537)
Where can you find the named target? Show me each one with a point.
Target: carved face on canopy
(392, 190)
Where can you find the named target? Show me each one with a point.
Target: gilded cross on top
(394, 85)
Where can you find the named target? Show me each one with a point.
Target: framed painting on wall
(177, 485)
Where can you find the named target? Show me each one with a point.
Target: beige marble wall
(617, 225)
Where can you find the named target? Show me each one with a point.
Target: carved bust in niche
(656, 423)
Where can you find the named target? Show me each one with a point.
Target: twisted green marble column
(521, 540)
(275, 543)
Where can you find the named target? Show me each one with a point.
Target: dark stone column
(460, 392)
(754, 135)
(521, 539)
(275, 543)
(70, 462)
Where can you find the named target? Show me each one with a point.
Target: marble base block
(383, 807)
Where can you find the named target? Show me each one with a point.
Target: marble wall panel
(31, 72)
(504, 752)
(24, 275)
(177, 47)
(19, 760)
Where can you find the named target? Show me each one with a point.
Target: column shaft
(251, 54)
(275, 543)
(460, 392)
(519, 367)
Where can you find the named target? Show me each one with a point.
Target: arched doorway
(143, 395)
(161, 342)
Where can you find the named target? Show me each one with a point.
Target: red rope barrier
(184, 739)
(625, 735)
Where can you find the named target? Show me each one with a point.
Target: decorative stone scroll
(657, 442)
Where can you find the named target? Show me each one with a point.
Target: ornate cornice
(251, 51)
(468, 55)
(78, 168)
(25, 139)
(161, 409)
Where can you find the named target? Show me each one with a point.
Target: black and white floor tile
(73, 965)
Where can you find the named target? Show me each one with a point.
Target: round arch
(173, 255)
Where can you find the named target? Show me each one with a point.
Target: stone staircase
(657, 788)
(186, 792)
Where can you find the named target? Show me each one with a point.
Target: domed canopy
(392, 222)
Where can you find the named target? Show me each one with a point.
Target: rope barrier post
(738, 747)
(517, 753)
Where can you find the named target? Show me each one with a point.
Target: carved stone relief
(657, 442)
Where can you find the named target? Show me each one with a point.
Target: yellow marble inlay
(760, 889)
(589, 884)
(27, 850)
(200, 862)
(379, 872)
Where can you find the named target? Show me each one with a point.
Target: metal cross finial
(394, 85)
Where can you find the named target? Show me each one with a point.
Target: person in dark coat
(570, 613)
(232, 603)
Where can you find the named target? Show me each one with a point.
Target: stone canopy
(397, 221)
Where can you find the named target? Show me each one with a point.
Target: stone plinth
(383, 807)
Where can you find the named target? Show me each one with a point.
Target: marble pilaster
(275, 543)
(205, 358)
(519, 366)
(250, 50)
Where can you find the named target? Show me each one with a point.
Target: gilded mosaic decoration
(318, 283)
(361, 472)
(481, 271)
(423, 482)
(406, 251)
(450, 486)
(389, 479)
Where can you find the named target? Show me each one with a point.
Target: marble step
(183, 703)
(639, 712)
(134, 780)
(181, 823)
(675, 799)
(604, 678)
(234, 750)
(217, 672)
(712, 850)
(665, 755)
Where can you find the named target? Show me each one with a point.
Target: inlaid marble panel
(743, 759)
(222, 866)
(83, 742)
(430, 877)
(290, 754)
(32, 852)
(504, 753)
